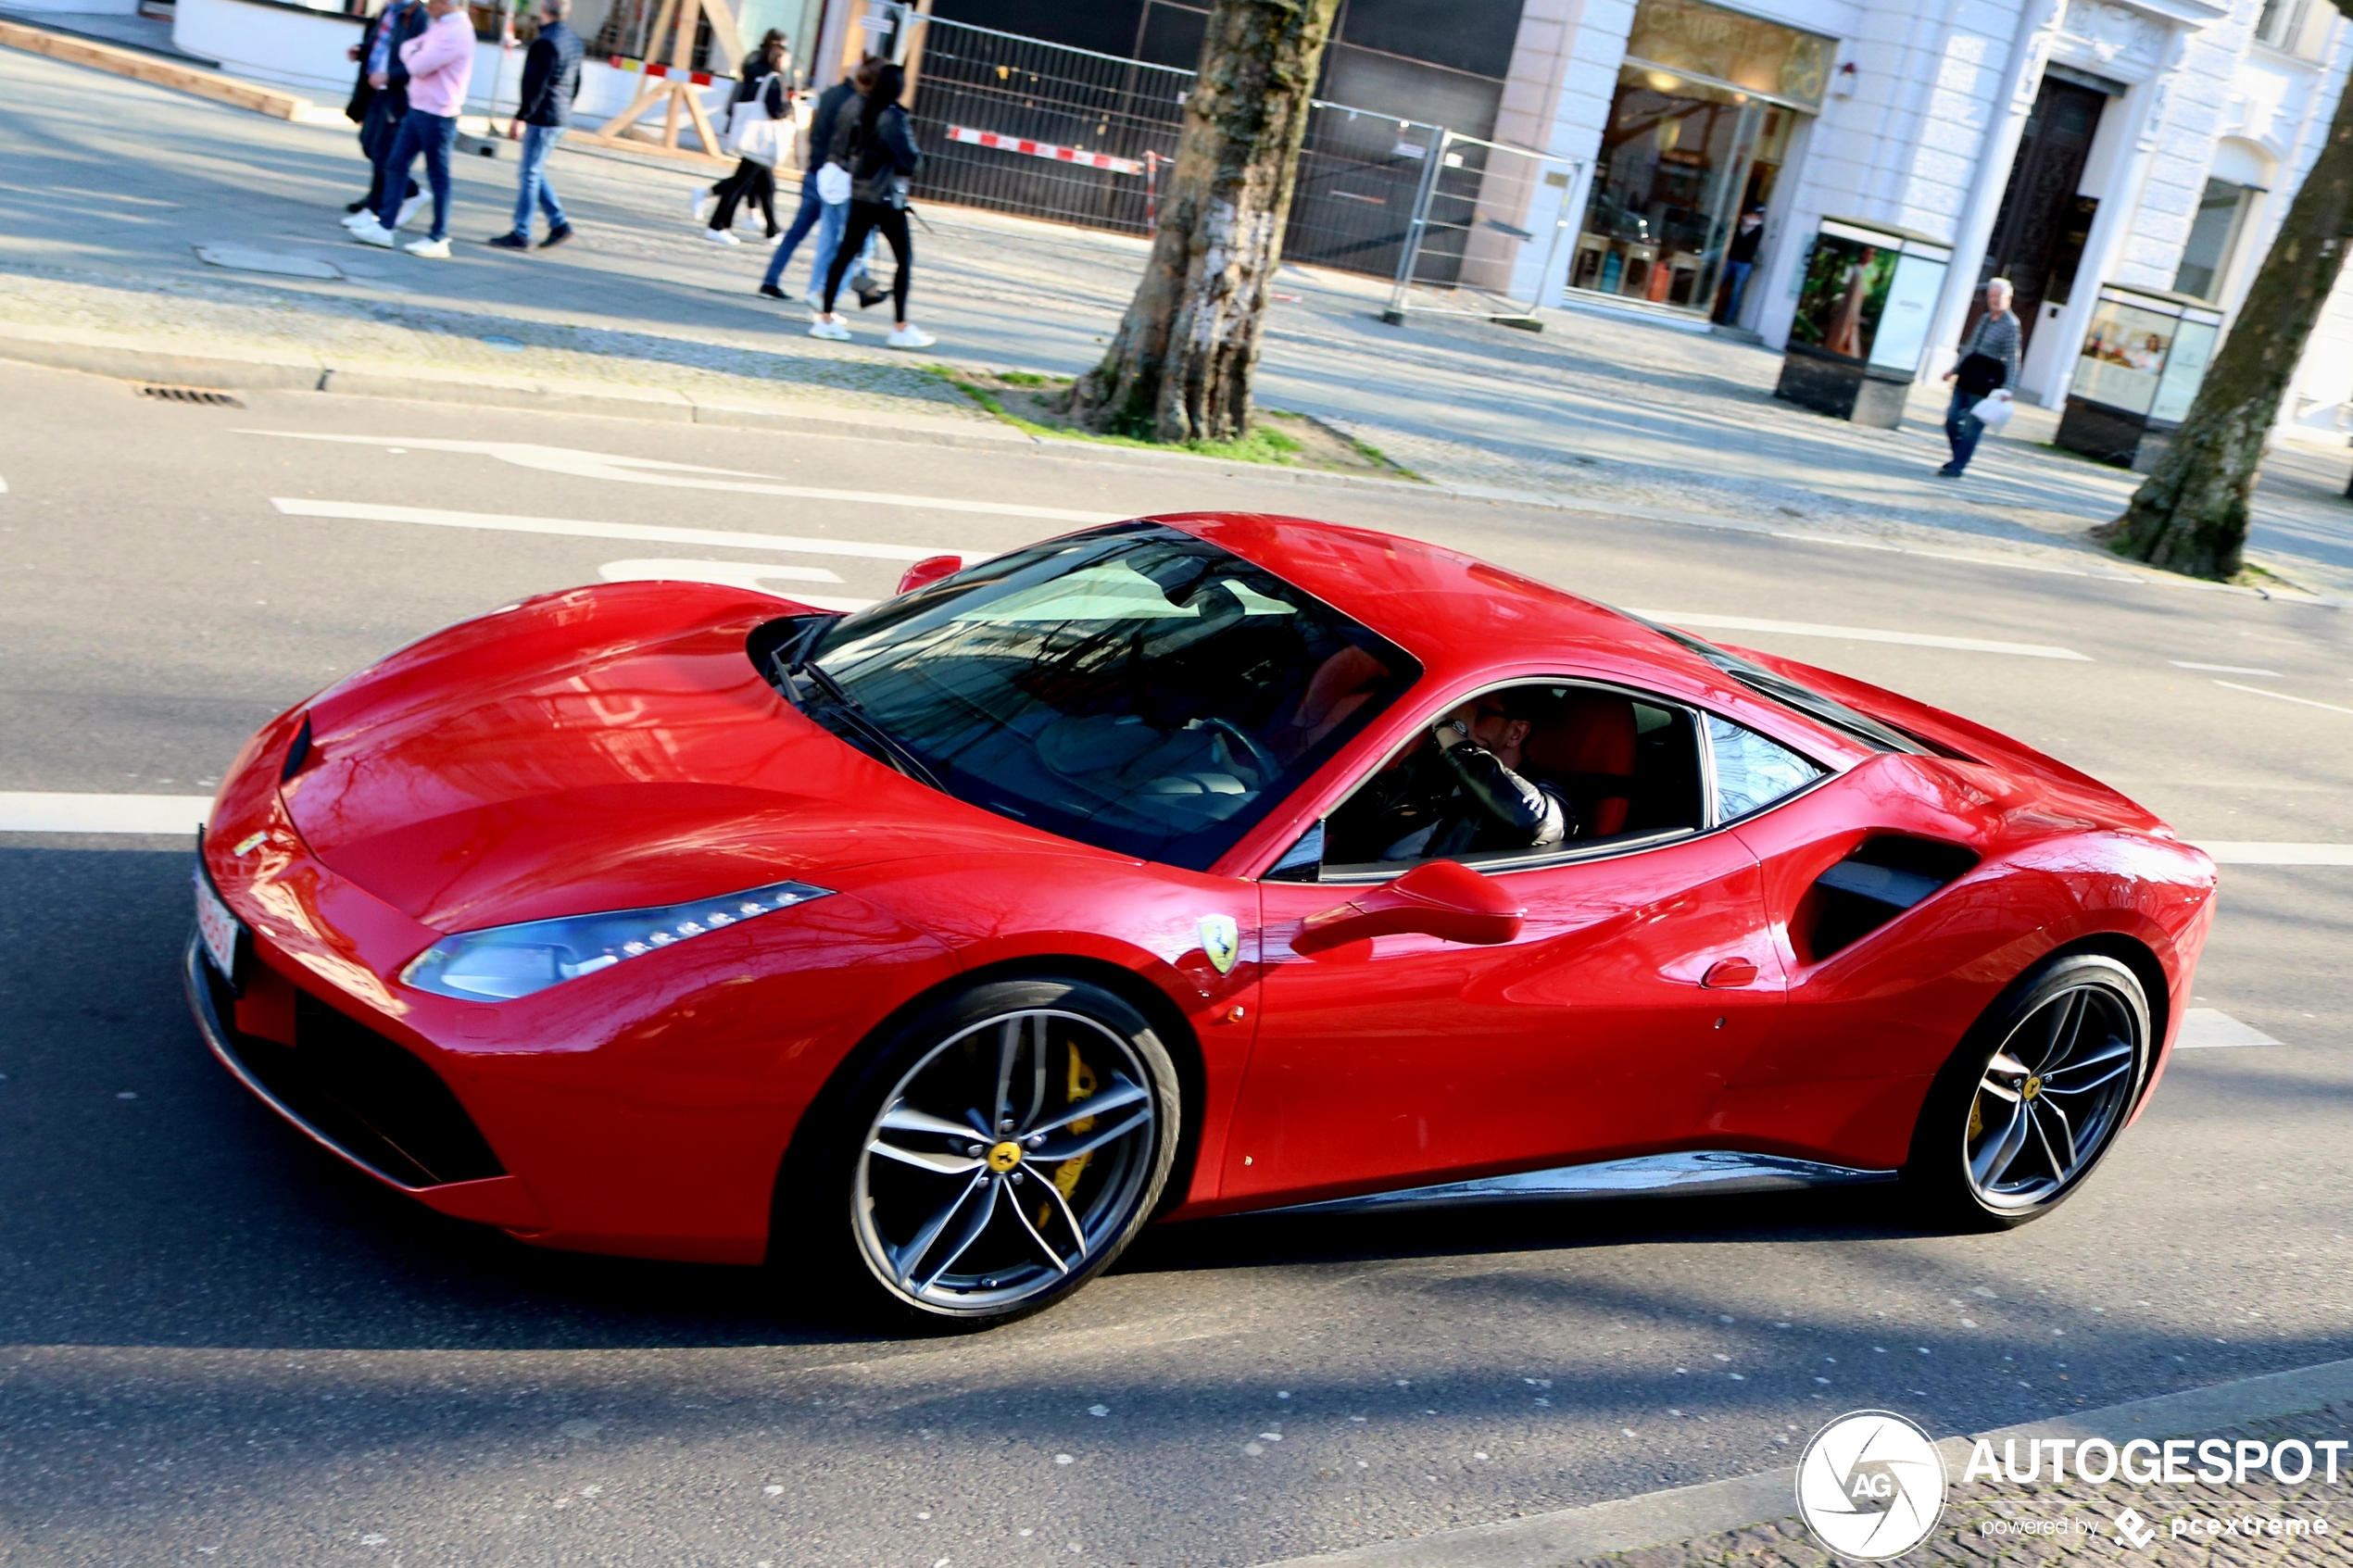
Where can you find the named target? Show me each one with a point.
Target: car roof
(1454, 612)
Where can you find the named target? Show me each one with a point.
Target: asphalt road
(217, 1346)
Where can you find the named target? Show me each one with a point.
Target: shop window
(1706, 103)
(2206, 259)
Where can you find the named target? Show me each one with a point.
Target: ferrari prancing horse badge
(1222, 941)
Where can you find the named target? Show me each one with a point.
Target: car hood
(611, 747)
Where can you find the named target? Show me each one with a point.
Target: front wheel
(2034, 1097)
(998, 1150)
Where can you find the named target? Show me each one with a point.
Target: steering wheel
(1260, 757)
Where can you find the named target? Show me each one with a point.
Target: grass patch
(1031, 403)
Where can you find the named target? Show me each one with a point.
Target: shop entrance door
(2040, 209)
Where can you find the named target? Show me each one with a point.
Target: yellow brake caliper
(1066, 1174)
(1976, 1116)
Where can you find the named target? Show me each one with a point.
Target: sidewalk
(1596, 414)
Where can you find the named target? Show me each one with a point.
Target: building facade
(2065, 144)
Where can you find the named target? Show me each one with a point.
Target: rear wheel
(2035, 1095)
(997, 1151)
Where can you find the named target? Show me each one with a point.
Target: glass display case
(1864, 301)
(2143, 359)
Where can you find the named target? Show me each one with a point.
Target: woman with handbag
(755, 114)
(879, 151)
(1988, 363)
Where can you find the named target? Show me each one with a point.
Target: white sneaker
(775, 239)
(408, 209)
(700, 205)
(432, 250)
(830, 329)
(721, 236)
(364, 219)
(910, 336)
(376, 234)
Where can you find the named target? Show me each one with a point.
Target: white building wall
(1924, 134)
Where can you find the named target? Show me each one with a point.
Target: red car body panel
(612, 747)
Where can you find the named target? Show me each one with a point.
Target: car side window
(1547, 770)
(1752, 771)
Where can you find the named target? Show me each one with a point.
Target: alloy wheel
(2051, 1097)
(1005, 1162)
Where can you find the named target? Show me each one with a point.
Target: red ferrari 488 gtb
(1188, 866)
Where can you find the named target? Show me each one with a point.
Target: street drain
(199, 395)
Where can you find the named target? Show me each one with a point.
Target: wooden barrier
(271, 101)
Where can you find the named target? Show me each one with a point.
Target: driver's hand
(1454, 728)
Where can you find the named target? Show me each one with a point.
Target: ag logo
(1870, 1485)
(1222, 941)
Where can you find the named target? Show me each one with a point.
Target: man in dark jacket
(550, 81)
(380, 95)
(827, 217)
(1460, 794)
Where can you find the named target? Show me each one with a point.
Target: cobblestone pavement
(1984, 1523)
(1598, 412)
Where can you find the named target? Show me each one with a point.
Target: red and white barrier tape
(1045, 150)
(655, 67)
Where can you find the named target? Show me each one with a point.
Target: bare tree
(1180, 368)
(2190, 514)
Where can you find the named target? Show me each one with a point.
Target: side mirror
(1443, 898)
(930, 570)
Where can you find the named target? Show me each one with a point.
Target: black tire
(2034, 1098)
(918, 1226)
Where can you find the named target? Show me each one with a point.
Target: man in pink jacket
(441, 65)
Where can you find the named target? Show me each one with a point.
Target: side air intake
(1883, 878)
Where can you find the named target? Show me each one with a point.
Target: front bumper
(366, 1100)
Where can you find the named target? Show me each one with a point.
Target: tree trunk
(1180, 368)
(2190, 514)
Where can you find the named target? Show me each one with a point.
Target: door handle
(1726, 973)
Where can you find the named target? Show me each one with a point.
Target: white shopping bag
(1993, 411)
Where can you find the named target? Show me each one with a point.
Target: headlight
(507, 961)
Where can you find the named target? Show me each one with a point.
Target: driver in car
(1462, 795)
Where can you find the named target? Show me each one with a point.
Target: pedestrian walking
(441, 64)
(379, 98)
(879, 151)
(550, 81)
(1988, 363)
(827, 217)
(1740, 260)
(756, 108)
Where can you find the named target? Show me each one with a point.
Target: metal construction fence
(1486, 230)
(1047, 131)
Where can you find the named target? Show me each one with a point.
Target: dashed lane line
(1858, 635)
(2221, 669)
(2212, 1029)
(2305, 701)
(582, 528)
(692, 476)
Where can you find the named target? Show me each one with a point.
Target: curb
(1554, 1541)
(157, 71)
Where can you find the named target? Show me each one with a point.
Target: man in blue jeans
(441, 63)
(550, 81)
(827, 217)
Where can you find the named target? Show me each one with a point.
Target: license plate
(224, 934)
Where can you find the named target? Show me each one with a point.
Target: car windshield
(1132, 687)
(1793, 694)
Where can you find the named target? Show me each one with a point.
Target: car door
(1398, 1060)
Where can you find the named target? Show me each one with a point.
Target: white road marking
(2307, 701)
(177, 814)
(2221, 669)
(645, 471)
(2212, 1029)
(579, 528)
(754, 575)
(1857, 634)
(3, 487)
(2244, 854)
